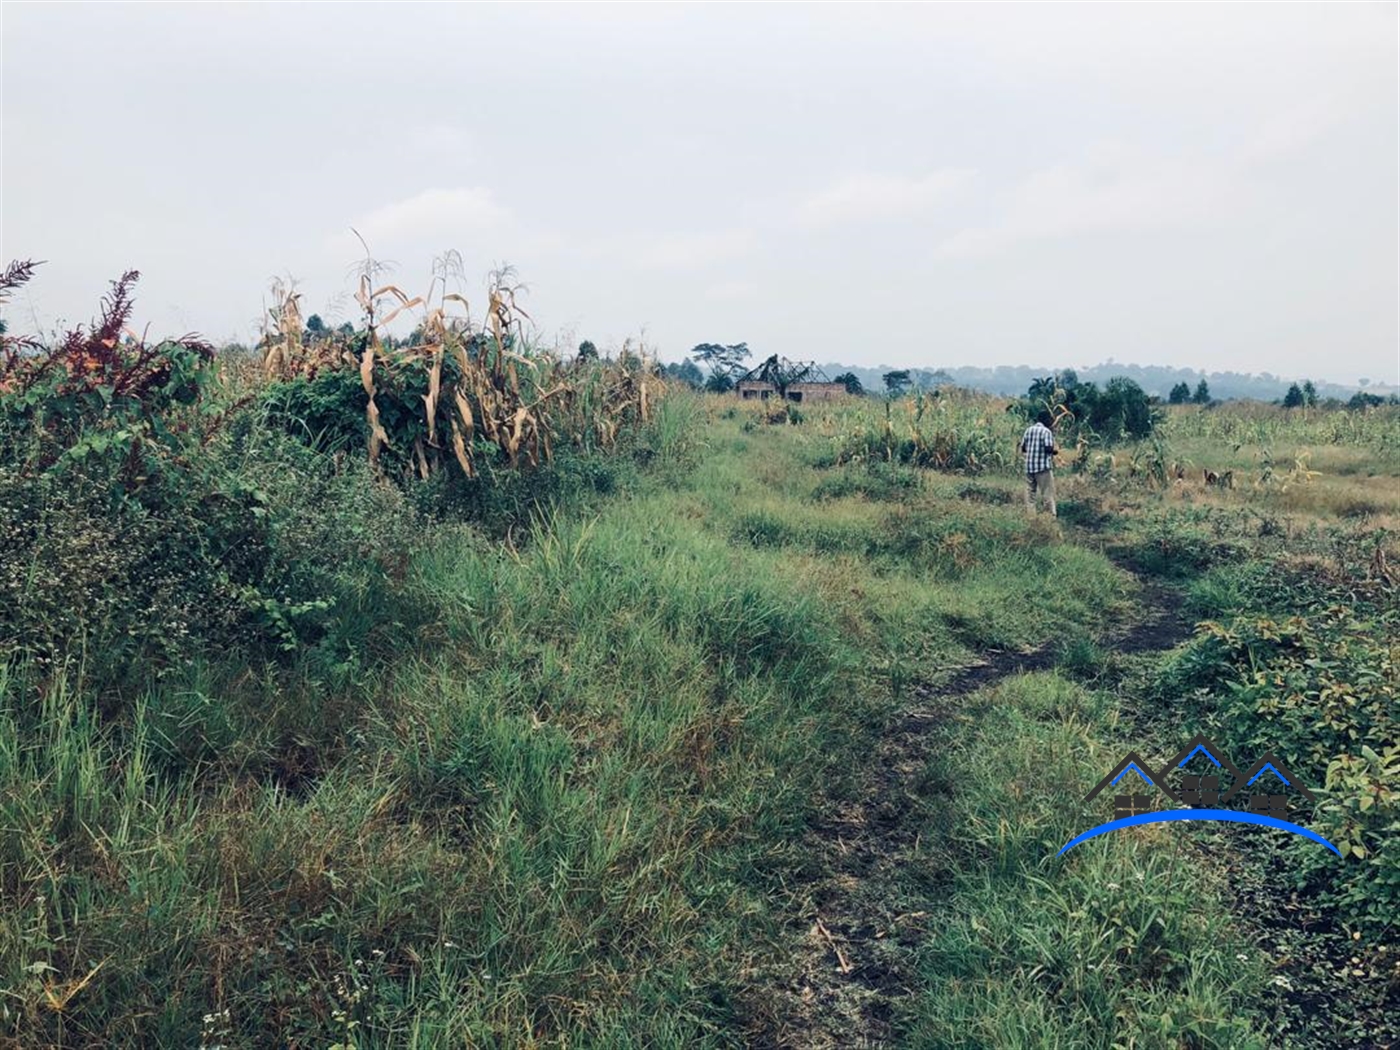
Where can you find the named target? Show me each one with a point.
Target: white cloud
(1290, 131)
(868, 197)
(730, 291)
(441, 214)
(437, 139)
(1255, 227)
(1116, 190)
(691, 250)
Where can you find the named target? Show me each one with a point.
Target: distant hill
(1011, 380)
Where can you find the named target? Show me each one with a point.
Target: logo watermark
(1266, 793)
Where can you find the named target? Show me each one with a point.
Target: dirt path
(852, 967)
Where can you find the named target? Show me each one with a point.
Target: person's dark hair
(1044, 418)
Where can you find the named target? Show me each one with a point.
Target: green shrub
(122, 540)
(1080, 656)
(944, 432)
(151, 514)
(1121, 410)
(1322, 690)
(1179, 544)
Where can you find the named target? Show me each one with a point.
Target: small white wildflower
(1281, 981)
(1242, 957)
(1113, 885)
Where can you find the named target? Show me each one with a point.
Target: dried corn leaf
(398, 310)
(394, 290)
(464, 411)
(421, 459)
(460, 448)
(430, 399)
(377, 437)
(367, 371)
(522, 414)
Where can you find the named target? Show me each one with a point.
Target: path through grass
(606, 796)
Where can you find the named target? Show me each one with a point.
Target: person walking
(1039, 448)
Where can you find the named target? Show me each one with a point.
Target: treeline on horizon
(1157, 380)
(716, 366)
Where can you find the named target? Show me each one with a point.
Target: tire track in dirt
(854, 944)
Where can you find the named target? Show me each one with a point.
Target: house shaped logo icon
(1219, 777)
(1174, 791)
(1132, 772)
(1261, 785)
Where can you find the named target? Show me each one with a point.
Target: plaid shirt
(1036, 444)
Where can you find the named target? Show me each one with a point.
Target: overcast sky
(1205, 185)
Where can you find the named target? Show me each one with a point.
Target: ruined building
(793, 380)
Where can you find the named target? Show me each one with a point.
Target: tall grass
(951, 431)
(1376, 429)
(1118, 943)
(559, 811)
(536, 830)
(544, 783)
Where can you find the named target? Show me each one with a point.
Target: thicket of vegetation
(1291, 567)
(443, 690)
(228, 583)
(1300, 660)
(163, 500)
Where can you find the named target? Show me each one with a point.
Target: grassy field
(729, 732)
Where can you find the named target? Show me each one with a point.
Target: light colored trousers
(1042, 483)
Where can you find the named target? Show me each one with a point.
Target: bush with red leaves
(95, 387)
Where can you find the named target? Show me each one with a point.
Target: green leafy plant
(1322, 689)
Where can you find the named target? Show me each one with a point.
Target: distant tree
(587, 351)
(720, 358)
(942, 377)
(686, 372)
(1181, 393)
(1294, 398)
(1309, 393)
(347, 329)
(315, 327)
(1124, 408)
(851, 382)
(1202, 394)
(1043, 389)
(1361, 399)
(897, 382)
(719, 383)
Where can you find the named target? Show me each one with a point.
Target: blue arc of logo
(1228, 815)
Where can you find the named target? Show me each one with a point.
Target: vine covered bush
(156, 507)
(1322, 690)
